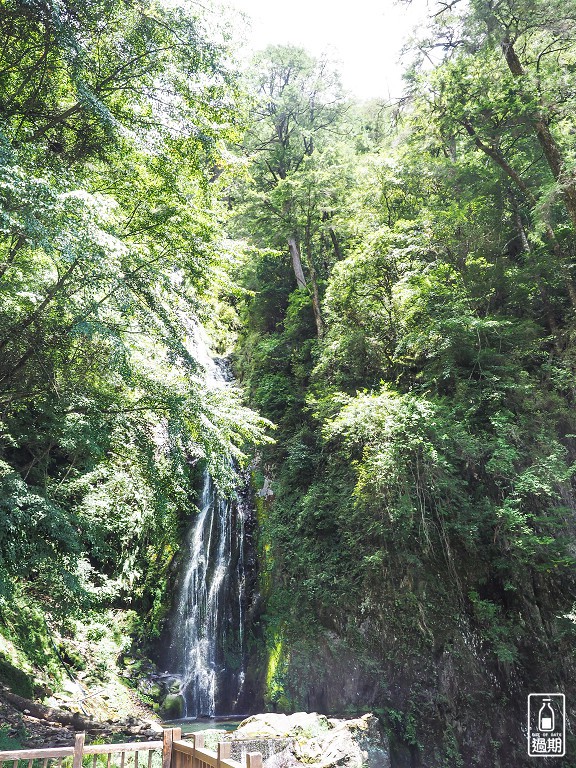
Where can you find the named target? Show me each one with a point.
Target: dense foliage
(402, 282)
(422, 518)
(111, 115)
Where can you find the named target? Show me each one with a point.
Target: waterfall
(206, 649)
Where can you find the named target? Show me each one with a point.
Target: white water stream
(207, 628)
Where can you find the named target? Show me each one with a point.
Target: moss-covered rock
(173, 706)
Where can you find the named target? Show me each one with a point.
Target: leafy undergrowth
(77, 666)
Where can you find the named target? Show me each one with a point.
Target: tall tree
(110, 115)
(298, 108)
(508, 84)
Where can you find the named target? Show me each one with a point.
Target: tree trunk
(548, 143)
(296, 263)
(301, 281)
(316, 305)
(315, 292)
(335, 243)
(40, 712)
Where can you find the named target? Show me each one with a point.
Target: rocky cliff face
(445, 702)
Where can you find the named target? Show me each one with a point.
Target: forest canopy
(112, 119)
(395, 287)
(410, 329)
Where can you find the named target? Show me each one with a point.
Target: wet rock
(300, 724)
(320, 741)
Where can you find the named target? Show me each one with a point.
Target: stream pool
(192, 724)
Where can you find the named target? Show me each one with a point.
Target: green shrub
(17, 680)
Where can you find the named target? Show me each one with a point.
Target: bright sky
(364, 36)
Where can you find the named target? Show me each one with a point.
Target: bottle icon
(546, 717)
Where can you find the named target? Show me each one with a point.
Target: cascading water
(211, 597)
(206, 649)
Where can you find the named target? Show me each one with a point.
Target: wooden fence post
(176, 758)
(253, 760)
(78, 750)
(167, 738)
(224, 751)
(198, 741)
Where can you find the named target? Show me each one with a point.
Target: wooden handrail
(132, 746)
(175, 752)
(197, 756)
(79, 750)
(33, 754)
(89, 749)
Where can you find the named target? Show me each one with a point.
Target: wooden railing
(170, 752)
(193, 754)
(74, 757)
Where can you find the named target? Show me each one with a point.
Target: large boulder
(317, 741)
